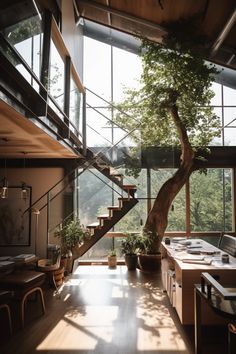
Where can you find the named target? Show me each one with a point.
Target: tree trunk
(157, 220)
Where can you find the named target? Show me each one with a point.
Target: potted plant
(71, 235)
(112, 258)
(129, 247)
(149, 258)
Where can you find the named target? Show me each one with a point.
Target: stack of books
(6, 266)
(25, 257)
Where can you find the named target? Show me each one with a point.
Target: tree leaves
(173, 73)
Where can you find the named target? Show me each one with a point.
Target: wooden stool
(24, 283)
(5, 297)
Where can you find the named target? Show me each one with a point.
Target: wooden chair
(228, 244)
(48, 266)
(24, 283)
(222, 301)
(5, 298)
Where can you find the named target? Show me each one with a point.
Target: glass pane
(158, 178)
(125, 76)
(228, 199)
(56, 76)
(26, 37)
(75, 104)
(216, 141)
(94, 196)
(230, 116)
(134, 220)
(177, 213)
(97, 122)
(207, 201)
(97, 71)
(230, 136)
(229, 96)
(100, 250)
(217, 99)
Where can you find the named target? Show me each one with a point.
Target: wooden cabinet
(186, 275)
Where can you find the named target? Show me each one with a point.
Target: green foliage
(206, 203)
(130, 244)
(112, 253)
(147, 243)
(174, 73)
(72, 234)
(207, 198)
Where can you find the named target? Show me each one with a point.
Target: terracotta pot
(59, 276)
(112, 261)
(131, 260)
(149, 262)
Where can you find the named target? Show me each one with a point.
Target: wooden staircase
(114, 213)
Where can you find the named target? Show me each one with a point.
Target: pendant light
(4, 190)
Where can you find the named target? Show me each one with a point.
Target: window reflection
(26, 37)
(56, 76)
(75, 105)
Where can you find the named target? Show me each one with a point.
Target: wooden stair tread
(95, 224)
(103, 216)
(117, 175)
(125, 199)
(129, 186)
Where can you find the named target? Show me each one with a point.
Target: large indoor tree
(172, 106)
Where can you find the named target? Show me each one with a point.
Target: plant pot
(131, 260)
(149, 262)
(59, 276)
(112, 261)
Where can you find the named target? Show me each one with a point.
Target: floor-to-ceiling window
(205, 205)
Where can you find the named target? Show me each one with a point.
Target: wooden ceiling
(19, 137)
(216, 19)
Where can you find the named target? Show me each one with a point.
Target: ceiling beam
(224, 33)
(124, 15)
(108, 14)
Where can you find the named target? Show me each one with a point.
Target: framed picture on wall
(15, 217)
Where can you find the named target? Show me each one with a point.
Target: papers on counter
(195, 261)
(186, 257)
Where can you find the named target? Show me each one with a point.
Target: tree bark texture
(157, 219)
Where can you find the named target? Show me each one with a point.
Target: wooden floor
(103, 311)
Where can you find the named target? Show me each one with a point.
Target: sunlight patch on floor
(160, 339)
(74, 282)
(84, 332)
(118, 292)
(158, 330)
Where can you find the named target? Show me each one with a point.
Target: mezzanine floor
(103, 311)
